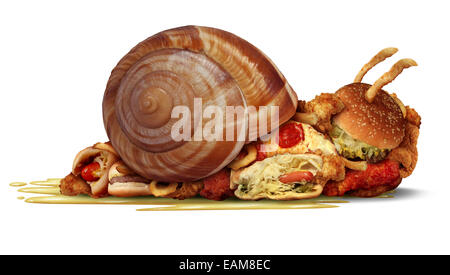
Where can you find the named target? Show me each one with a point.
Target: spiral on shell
(172, 68)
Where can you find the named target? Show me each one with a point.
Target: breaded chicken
(333, 169)
(217, 186)
(406, 154)
(376, 190)
(324, 106)
(186, 190)
(375, 180)
(73, 185)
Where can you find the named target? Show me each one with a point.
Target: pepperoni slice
(88, 172)
(290, 135)
(260, 154)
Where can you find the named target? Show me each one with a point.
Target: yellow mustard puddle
(50, 187)
(387, 195)
(17, 184)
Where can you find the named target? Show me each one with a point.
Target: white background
(55, 59)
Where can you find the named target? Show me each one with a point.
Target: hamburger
(367, 131)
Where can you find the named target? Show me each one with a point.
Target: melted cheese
(313, 143)
(100, 159)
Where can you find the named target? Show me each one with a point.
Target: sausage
(297, 176)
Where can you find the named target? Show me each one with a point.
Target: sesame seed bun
(379, 124)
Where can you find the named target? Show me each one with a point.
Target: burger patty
(129, 179)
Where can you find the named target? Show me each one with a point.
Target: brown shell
(171, 68)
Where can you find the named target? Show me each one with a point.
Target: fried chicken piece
(413, 117)
(324, 106)
(217, 186)
(73, 185)
(375, 180)
(301, 106)
(406, 154)
(376, 190)
(186, 190)
(333, 169)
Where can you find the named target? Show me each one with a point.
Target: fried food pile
(296, 162)
(400, 161)
(359, 141)
(375, 134)
(324, 107)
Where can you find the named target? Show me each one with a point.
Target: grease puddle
(17, 184)
(50, 187)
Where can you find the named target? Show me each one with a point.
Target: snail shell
(171, 68)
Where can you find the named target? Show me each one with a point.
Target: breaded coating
(376, 190)
(217, 186)
(406, 154)
(186, 190)
(73, 185)
(413, 117)
(375, 180)
(325, 106)
(333, 169)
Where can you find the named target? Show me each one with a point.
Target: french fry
(379, 57)
(308, 118)
(388, 77)
(355, 165)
